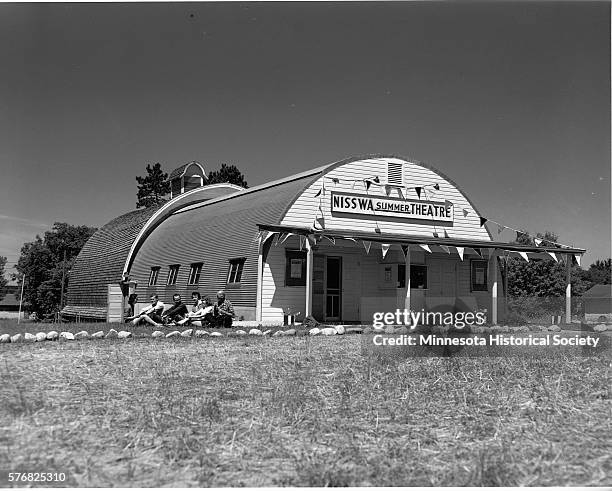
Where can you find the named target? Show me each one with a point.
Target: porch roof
(418, 239)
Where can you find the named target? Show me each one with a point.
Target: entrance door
(333, 288)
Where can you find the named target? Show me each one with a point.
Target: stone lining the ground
(315, 331)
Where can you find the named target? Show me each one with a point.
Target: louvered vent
(395, 174)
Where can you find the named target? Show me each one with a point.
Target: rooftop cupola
(187, 177)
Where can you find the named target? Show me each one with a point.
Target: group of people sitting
(203, 313)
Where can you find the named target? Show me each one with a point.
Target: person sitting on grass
(196, 299)
(202, 314)
(224, 311)
(176, 313)
(151, 314)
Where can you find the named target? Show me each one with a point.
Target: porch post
(493, 263)
(407, 280)
(258, 308)
(568, 289)
(308, 278)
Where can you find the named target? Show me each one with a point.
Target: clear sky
(510, 100)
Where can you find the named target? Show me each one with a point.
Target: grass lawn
(298, 411)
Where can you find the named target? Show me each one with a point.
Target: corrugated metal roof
(213, 232)
(101, 260)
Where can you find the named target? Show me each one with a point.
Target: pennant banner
(367, 244)
(399, 192)
(318, 193)
(446, 234)
(537, 241)
(405, 250)
(331, 239)
(425, 247)
(524, 255)
(445, 249)
(385, 249)
(367, 185)
(465, 212)
(302, 242)
(553, 255)
(460, 252)
(483, 220)
(577, 257)
(477, 251)
(436, 186)
(418, 191)
(387, 189)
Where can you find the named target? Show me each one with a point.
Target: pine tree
(227, 174)
(152, 188)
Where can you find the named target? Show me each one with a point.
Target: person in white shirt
(151, 314)
(202, 311)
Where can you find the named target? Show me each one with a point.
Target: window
(235, 271)
(418, 276)
(394, 173)
(172, 274)
(295, 273)
(194, 274)
(479, 275)
(153, 275)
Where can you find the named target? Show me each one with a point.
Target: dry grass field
(298, 411)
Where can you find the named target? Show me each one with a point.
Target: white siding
(303, 211)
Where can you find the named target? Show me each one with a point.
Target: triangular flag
(524, 255)
(500, 229)
(425, 247)
(477, 251)
(399, 192)
(323, 187)
(302, 242)
(553, 255)
(537, 241)
(465, 212)
(436, 187)
(318, 193)
(435, 234)
(377, 230)
(387, 189)
(278, 238)
(445, 248)
(483, 220)
(331, 239)
(335, 180)
(312, 240)
(418, 191)
(385, 249)
(321, 221)
(367, 244)
(405, 250)
(446, 234)
(376, 179)
(577, 257)
(367, 185)
(448, 203)
(460, 252)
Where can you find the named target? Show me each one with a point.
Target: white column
(258, 308)
(407, 280)
(568, 289)
(309, 255)
(493, 263)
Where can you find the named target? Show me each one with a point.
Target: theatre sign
(360, 204)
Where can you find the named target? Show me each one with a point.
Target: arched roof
(102, 258)
(266, 203)
(180, 171)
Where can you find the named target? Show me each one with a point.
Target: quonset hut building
(338, 242)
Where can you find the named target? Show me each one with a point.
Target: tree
(3, 280)
(227, 174)
(600, 272)
(45, 261)
(152, 188)
(542, 278)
